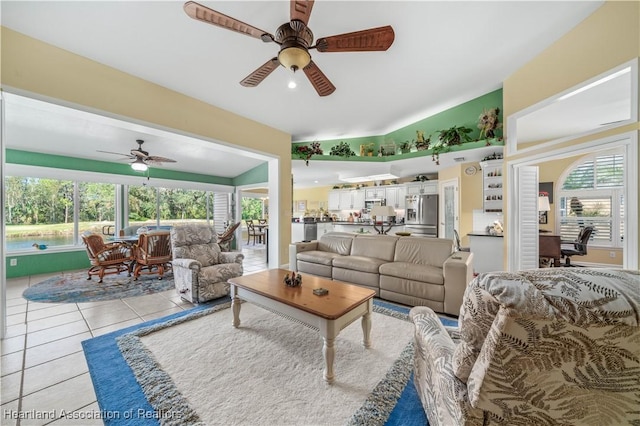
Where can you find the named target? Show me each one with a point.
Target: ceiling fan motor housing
(294, 52)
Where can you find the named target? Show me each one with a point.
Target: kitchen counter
(483, 234)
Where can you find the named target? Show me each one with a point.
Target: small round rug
(75, 288)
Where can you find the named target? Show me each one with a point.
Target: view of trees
(251, 208)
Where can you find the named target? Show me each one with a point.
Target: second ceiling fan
(295, 40)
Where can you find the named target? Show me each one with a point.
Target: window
(97, 207)
(183, 205)
(143, 205)
(591, 195)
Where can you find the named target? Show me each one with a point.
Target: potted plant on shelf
(488, 123)
(405, 147)
(306, 151)
(456, 135)
(342, 150)
(421, 143)
(370, 149)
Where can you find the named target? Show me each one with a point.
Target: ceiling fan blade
(373, 39)
(319, 81)
(301, 10)
(210, 16)
(117, 153)
(256, 77)
(158, 160)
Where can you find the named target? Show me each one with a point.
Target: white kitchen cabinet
(357, 198)
(324, 227)
(334, 200)
(375, 193)
(346, 200)
(395, 196)
(427, 187)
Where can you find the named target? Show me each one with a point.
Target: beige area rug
(269, 371)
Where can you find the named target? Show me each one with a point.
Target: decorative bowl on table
(403, 234)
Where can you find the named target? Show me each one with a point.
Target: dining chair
(107, 258)
(225, 239)
(458, 245)
(252, 231)
(152, 254)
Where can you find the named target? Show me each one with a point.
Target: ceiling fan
(295, 40)
(142, 159)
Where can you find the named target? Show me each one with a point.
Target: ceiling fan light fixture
(139, 166)
(294, 58)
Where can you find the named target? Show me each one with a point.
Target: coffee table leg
(366, 325)
(328, 351)
(235, 306)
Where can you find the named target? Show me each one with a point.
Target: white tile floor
(43, 366)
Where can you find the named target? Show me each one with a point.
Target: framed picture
(301, 205)
(542, 218)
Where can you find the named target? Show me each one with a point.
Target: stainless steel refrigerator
(421, 214)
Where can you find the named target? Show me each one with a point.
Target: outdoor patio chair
(107, 258)
(152, 254)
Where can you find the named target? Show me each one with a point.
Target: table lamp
(382, 211)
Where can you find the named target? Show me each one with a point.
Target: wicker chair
(152, 254)
(225, 239)
(107, 258)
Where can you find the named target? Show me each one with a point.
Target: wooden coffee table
(328, 314)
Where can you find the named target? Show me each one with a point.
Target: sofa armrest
(187, 263)
(458, 273)
(295, 248)
(230, 257)
(443, 395)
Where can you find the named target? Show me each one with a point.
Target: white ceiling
(444, 53)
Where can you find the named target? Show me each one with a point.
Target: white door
(449, 216)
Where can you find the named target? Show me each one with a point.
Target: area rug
(75, 288)
(290, 381)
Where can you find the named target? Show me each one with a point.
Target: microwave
(369, 204)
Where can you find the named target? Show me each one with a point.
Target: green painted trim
(465, 114)
(43, 263)
(258, 174)
(62, 162)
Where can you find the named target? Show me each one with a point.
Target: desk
(549, 247)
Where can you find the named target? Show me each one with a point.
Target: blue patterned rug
(75, 288)
(120, 395)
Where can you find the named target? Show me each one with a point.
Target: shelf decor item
(456, 135)
(305, 152)
(342, 150)
(421, 143)
(405, 147)
(488, 123)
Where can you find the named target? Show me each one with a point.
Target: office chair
(577, 247)
(458, 246)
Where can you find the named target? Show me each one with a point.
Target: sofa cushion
(377, 247)
(423, 250)
(578, 296)
(336, 242)
(358, 263)
(414, 272)
(317, 256)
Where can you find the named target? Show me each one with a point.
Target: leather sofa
(542, 347)
(409, 270)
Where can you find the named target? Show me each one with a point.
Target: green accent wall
(71, 163)
(43, 263)
(256, 175)
(465, 114)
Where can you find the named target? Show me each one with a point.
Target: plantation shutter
(527, 212)
(220, 211)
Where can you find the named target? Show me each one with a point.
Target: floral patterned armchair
(200, 268)
(540, 347)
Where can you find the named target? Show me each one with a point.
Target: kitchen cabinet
(487, 252)
(426, 187)
(375, 193)
(334, 200)
(324, 227)
(346, 199)
(491, 185)
(395, 196)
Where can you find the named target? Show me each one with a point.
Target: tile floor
(43, 366)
